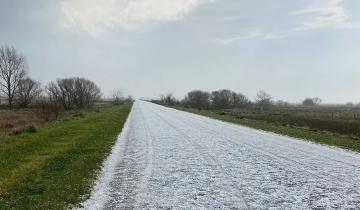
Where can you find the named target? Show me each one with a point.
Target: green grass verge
(55, 167)
(322, 137)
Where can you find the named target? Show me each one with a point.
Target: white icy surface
(168, 159)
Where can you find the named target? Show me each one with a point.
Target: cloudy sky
(291, 49)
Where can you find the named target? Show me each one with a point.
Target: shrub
(26, 129)
(48, 109)
(30, 129)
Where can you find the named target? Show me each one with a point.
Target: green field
(319, 136)
(55, 167)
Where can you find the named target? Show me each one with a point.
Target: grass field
(55, 167)
(337, 119)
(323, 137)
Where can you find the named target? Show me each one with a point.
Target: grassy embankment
(55, 167)
(322, 137)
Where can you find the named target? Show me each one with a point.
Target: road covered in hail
(168, 159)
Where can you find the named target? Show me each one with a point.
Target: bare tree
(74, 92)
(168, 99)
(198, 99)
(317, 100)
(349, 104)
(222, 99)
(67, 92)
(228, 99)
(27, 91)
(129, 99)
(62, 91)
(86, 93)
(12, 70)
(53, 92)
(311, 101)
(282, 103)
(48, 108)
(239, 100)
(308, 102)
(117, 96)
(263, 100)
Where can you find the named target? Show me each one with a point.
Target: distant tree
(308, 102)
(311, 101)
(228, 99)
(129, 99)
(27, 91)
(240, 101)
(63, 92)
(198, 99)
(74, 92)
(317, 101)
(48, 109)
(282, 103)
(53, 92)
(86, 93)
(117, 96)
(12, 70)
(222, 99)
(263, 100)
(349, 104)
(168, 99)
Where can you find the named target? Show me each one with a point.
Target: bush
(48, 109)
(26, 129)
(30, 129)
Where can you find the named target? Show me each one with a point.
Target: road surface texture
(168, 159)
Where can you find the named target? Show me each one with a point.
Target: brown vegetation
(12, 121)
(341, 120)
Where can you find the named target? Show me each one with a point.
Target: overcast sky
(291, 49)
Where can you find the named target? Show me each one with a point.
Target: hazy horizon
(290, 49)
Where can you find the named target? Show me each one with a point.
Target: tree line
(227, 99)
(21, 90)
(219, 99)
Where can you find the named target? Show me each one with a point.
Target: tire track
(274, 155)
(177, 160)
(206, 154)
